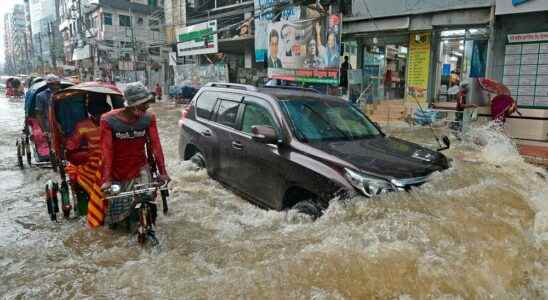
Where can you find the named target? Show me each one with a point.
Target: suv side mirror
(264, 134)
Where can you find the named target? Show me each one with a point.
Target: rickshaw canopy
(34, 89)
(71, 105)
(93, 87)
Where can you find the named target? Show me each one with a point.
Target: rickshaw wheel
(66, 212)
(141, 238)
(27, 151)
(19, 155)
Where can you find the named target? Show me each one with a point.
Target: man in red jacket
(126, 133)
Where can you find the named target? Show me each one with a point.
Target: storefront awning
(465, 17)
(361, 25)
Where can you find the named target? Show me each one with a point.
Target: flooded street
(478, 230)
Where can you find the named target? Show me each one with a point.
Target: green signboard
(197, 39)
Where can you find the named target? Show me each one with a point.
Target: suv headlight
(368, 185)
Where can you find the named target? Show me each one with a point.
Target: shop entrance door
(462, 55)
(384, 69)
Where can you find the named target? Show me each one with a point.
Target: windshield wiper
(327, 122)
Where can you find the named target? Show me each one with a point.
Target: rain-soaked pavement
(479, 230)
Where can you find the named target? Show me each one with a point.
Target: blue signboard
(446, 70)
(518, 2)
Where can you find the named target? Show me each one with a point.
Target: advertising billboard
(306, 50)
(197, 39)
(418, 65)
(263, 16)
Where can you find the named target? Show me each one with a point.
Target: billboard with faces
(305, 50)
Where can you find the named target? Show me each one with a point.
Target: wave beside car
(291, 148)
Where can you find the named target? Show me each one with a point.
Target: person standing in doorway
(388, 83)
(345, 66)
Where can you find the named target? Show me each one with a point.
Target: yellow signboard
(418, 65)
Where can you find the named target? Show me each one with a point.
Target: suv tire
(308, 207)
(199, 160)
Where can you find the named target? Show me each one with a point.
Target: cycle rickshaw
(33, 133)
(80, 159)
(14, 88)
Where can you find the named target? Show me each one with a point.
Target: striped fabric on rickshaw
(88, 174)
(88, 177)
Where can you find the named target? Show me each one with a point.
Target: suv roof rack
(294, 88)
(245, 87)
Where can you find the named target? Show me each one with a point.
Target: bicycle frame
(143, 207)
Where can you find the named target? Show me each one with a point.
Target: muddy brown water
(478, 230)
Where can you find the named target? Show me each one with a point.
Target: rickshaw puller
(124, 134)
(43, 101)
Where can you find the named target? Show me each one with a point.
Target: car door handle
(206, 133)
(237, 145)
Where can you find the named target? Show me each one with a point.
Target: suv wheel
(308, 207)
(199, 160)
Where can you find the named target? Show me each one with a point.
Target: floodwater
(478, 230)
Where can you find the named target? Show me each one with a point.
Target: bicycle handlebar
(138, 189)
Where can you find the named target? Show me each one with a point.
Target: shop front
(420, 57)
(382, 53)
(521, 56)
(461, 55)
(384, 66)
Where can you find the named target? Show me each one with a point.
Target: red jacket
(124, 152)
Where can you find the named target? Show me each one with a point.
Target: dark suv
(285, 147)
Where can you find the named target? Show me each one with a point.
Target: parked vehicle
(288, 148)
(182, 94)
(32, 132)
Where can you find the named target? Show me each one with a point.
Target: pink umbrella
(493, 86)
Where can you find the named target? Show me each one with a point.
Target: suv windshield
(327, 120)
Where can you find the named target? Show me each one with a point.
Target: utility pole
(52, 48)
(133, 45)
(27, 58)
(41, 53)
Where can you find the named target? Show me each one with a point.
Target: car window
(255, 114)
(227, 113)
(326, 120)
(205, 103)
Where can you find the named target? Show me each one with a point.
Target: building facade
(16, 48)
(46, 39)
(114, 39)
(28, 37)
(520, 55)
